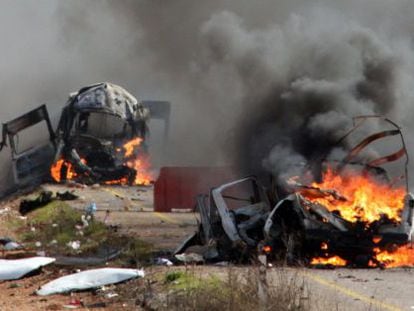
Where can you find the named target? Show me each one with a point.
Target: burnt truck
(332, 221)
(88, 144)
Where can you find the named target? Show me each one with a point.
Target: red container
(178, 187)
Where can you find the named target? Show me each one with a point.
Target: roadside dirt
(130, 210)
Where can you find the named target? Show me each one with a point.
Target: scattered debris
(88, 280)
(9, 245)
(163, 262)
(74, 304)
(100, 257)
(43, 199)
(66, 196)
(111, 295)
(18, 268)
(4, 210)
(190, 258)
(85, 221)
(27, 206)
(75, 245)
(90, 210)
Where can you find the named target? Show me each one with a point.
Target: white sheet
(17, 268)
(89, 279)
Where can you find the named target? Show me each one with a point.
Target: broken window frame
(27, 168)
(219, 208)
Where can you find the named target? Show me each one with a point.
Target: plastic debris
(163, 262)
(4, 210)
(190, 258)
(88, 280)
(91, 209)
(27, 206)
(16, 269)
(66, 196)
(85, 222)
(9, 245)
(111, 295)
(74, 245)
(43, 199)
(74, 304)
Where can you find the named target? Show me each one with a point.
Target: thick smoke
(264, 84)
(302, 83)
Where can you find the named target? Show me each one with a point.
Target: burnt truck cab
(299, 230)
(95, 123)
(238, 220)
(304, 228)
(88, 145)
(232, 217)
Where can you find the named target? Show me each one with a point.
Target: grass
(187, 281)
(57, 224)
(235, 291)
(207, 288)
(54, 226)
(136, 252)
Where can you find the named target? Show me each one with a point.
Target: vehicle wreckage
(355, 215)
(101, 138)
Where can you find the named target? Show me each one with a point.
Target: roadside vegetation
(58, 229)
(231, 288)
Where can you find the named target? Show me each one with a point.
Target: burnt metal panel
(33, 117)
(30, 166)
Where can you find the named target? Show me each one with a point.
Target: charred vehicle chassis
(95, 123)
(293, 229)
(94, 155)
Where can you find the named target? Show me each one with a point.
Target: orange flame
(130, 146)
(376, 239)
(364, 198)
(267, 249)
(402, 256)
(55, 170)
(335, 261)
(122, 181)
(141, 163)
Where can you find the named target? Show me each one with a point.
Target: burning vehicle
(349, 213)
(101, 138)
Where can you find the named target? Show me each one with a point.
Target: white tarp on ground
(15, 269)
(89, 279)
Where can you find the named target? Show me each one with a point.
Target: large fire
(402, 256)
(358, 197)
(133, 158)
(140, 163)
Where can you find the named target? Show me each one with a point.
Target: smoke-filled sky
(253, 82)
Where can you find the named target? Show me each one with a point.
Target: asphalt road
(363, 289)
